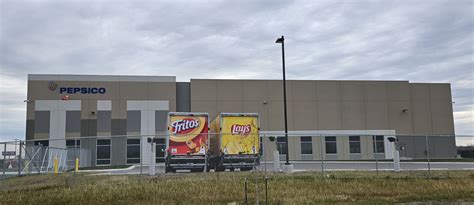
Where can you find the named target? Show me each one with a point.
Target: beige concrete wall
(332, 105)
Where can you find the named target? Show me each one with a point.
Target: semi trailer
(187, 141)
(235, 142)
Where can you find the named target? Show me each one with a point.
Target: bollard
(56, 166)
(76, 169)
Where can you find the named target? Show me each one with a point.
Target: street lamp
(282, 41)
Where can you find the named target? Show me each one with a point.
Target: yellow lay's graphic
(240, 135)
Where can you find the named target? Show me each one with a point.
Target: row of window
(331, 144)
(133, 147)
(103, 151)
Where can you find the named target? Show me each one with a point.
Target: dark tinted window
(281, 145)
(331, 145)
(354, 138)
(379, 146)
(103, 152)
(103, 142)
(306, 139)
(354, 144)
(71, 143)
(306, 145)
(133, 141)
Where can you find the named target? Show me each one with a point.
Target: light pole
(282, 41)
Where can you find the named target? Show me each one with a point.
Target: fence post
(428, 154)
(266, 189)
(4, 158)
(245, 191)
(264, 150)
(374, 143)
(76, 165)
(321, 153)
(19, 160)
(141, 157)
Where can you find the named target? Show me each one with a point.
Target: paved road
(333, 166)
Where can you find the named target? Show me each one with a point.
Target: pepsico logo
(52, 85)
(241, 129)
(184, 126)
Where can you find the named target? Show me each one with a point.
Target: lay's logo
(184, 126)
(241, 129)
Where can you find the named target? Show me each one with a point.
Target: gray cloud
(420, 41)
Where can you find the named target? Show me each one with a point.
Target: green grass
(223, 188)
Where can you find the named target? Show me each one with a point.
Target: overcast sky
(418, 41)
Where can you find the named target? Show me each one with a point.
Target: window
(379, 146)
(42, 121)
(354, 144)
(73, 121)
(281, 145)
(160, 120)
(160, 150)
(104, 121)
(133, 121)
(103, 151)
(261, 145)
(331, 145)
(306, 145)
(73, 151)
(133, 151)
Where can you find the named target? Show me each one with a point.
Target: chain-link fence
(266, 152)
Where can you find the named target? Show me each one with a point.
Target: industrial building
(337, 120)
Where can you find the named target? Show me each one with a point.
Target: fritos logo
(184, 126)
(241, 129)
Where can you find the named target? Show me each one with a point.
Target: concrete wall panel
(440, 92)
(304, 90)
(329, 115)
(353, 115)
(420, 91)
(376, 91)
(255, 90)
(229, 90)
(398, 91)
(442, 117)
(399, 120)
(203, 90)
(235, 106)
(421, 114)
(352, 91)
(377, 115)
(328, 91)
(305, 115)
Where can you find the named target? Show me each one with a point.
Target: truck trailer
(235, 142)
(187, 141)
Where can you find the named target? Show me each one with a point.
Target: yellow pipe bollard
(56, 166)
(77, 164)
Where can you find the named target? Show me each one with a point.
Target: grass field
(223, 188)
